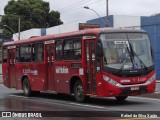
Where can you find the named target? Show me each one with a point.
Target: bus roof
(75, 33)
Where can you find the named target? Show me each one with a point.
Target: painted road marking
(92, 107)
(69, 103)
(61, 103)
(19, 96)
(147, 98)
(88, 105)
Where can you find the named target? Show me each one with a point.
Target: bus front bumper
(112, 91)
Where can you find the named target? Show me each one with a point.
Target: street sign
(7, 40)
(83, 26)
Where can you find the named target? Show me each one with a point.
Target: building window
(59, 50)
(72, 49)
(25, 53)
(37, 52)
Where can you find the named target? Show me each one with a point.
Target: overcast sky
(72, 10)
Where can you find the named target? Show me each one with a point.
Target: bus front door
(50, 65)
(12, 69)
(90, 66)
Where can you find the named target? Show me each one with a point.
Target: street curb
(151, 95)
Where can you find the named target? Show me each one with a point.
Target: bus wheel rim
(26, 88)
(79, 91)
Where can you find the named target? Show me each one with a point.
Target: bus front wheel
(79, 92)
(26, 87)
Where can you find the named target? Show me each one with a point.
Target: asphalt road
(64, 107)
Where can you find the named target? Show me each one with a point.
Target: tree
(33, 14)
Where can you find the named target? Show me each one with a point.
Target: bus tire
(79, 92)
(121, 98)
(35, 93)
(26, 87)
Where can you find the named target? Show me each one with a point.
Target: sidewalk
(156, 94)
(157, 86)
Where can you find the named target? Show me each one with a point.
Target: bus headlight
(151, 79)
(111, 81)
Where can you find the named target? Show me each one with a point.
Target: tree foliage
(32, 13)
(156, 14)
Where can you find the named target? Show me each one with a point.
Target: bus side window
(77, 49)
(59, 50)
(4, 55)
(72, 49)
(68, 50)
(17, 54)
(25, 53)
(38, 52)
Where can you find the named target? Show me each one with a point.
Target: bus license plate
(134, 88)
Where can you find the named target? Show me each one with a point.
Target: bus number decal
(62, 69)
(28, 71)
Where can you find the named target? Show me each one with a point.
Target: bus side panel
(63, 74)
(5, 72)
(5, 67)
(35, 73)
(21, 71)
(38, 77)
(62, 77)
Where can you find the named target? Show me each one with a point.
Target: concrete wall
(27, 34)
(68, 27)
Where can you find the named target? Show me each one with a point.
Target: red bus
(103, 62)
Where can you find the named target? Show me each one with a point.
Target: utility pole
(107, 16)
(19, 28)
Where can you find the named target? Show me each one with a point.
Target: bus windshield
(126, 51)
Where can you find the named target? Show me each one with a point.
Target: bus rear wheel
(121, 98)
(79, 92)
(26, 87)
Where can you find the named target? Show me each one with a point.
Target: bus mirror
(99, 49)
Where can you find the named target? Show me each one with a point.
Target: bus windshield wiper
(141, 62)
(134, 54)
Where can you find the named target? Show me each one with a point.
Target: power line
(81, 16)
(74, 7)
(70, 5)
(71, 9)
